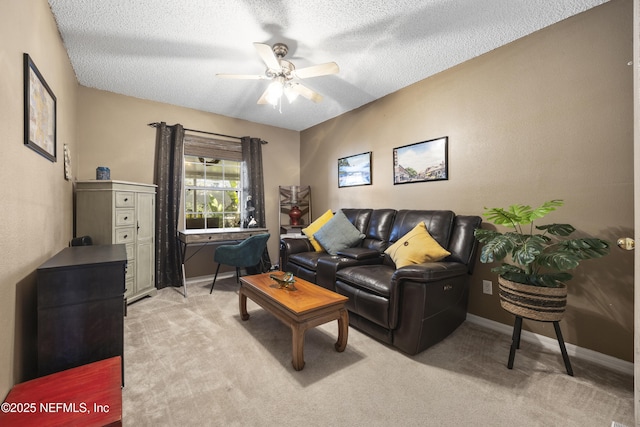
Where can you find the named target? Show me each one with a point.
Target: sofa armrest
(360, 253)
(448, 275)
(295, 246)
(290, 246)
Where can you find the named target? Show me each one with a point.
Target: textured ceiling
(171, 50)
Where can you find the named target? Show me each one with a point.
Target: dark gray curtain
(253, 176)
(168, 178)
(253, 179)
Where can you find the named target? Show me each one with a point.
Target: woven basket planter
(533, 302)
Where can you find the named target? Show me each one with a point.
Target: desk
(211, 235)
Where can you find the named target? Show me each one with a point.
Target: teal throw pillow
(338, 234)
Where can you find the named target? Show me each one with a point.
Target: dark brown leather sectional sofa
(410, 308)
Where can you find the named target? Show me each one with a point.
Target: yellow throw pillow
(315, 226)
(416, 247)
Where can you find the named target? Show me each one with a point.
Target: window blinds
(212, 148)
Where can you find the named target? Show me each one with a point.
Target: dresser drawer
(124, 199)
(124, 235)
(129, 288)
(130, 251)
(131, 271)
(125, 217)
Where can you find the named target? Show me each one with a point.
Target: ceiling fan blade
(241, 76)
(306, 92)
(263, 98)
(317, 70)
(266, 53)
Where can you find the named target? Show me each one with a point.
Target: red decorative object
(294, 214)
(89, 395)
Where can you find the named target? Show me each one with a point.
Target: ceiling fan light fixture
(290, 93)
(275, 90)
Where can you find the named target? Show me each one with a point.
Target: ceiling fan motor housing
(280, 49)
(286, 67)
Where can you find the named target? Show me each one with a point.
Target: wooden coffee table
(303, 307)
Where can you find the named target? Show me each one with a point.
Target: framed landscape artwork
(422, 161)
(354, 170)
(39, 112)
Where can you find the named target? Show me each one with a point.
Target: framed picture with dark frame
(422, 161)
(354, 170)
(39, 112)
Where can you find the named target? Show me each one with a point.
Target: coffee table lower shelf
(304, 307)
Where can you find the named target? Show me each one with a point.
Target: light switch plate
(487, 287)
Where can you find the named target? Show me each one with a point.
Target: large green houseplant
(537, 256)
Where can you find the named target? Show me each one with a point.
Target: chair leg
(237, 274)
(214, 278)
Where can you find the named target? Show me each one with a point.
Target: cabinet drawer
(131, 270)
(124, 235)
(129, 288)
(124, 217)
(124, 199)
(131, 253)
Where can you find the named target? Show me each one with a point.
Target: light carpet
(193, 362)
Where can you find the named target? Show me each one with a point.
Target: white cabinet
(114, 212)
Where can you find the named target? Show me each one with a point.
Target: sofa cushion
(379, 229)
(337, 234)
(375, 279)
(439, 223)
(416, 247)
(358, 217)
(368, 290)
(315, 226)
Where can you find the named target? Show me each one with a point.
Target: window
(213, 191)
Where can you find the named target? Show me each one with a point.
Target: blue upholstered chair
(247, 253)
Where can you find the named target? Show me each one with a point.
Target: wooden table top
(303, 298)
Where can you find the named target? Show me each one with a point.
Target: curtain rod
(156, 124)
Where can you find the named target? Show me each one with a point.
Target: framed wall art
(422, 161)
(67, 162)
(39, 112)
(354, 170)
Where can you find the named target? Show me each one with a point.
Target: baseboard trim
(209, 278)
(551, 344)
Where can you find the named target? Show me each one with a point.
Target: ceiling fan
(283, 75)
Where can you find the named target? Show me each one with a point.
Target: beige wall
(114, 132)
(36, 208)
(549, 116)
